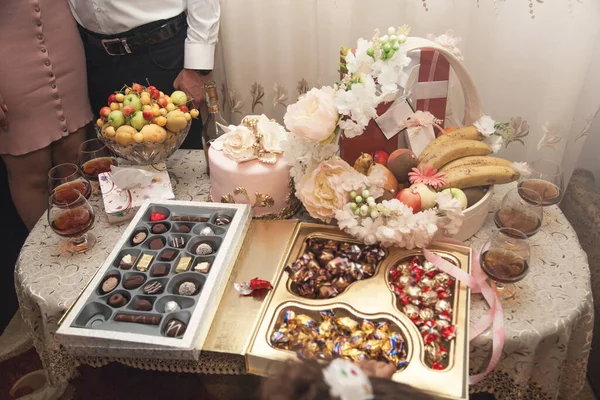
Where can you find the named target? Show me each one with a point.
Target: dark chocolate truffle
(117, 300)
(109, 284)
(142, 305)
(168, 255)
(133, 281)
(183, 229)
(139, 237)
(160, 270)
(175, 328)
(159, 228)
(127, 261)
(153, 288)
(157, 243)
(223, 220)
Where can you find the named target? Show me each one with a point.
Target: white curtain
(544, 70)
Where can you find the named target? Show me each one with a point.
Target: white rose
(272, 134)
(238, 143)
(313, 117)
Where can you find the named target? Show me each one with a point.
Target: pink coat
(42, 74)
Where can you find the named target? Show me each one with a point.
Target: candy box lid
(108, 342)
(370, 299)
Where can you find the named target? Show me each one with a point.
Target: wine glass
(505, 260)
(521, 209)
(95, 158)
(70, 215)
(547, 180)
(68, 176)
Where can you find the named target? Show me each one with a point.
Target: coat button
(43, 49)
(64, 129)
(40, 36)
(37, 9)
(56, 96)
(51, 75)
(59, 107)
(47, 63)
(53, 86)
(62, 118)
(39, 23)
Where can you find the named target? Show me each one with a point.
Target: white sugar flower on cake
(257, 137)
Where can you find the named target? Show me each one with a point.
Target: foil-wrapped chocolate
(327, 267)
(340, 337)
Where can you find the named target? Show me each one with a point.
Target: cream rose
(272, 134)
(313, 117)
(237, 144)
(325, 190)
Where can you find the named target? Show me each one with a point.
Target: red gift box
(434, 73)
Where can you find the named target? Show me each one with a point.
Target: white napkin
(127, 178)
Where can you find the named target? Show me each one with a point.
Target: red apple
(104, 111)
(137, 88)
(381, 157)
(155, 94)
(162, 101)
(151, 88)
(128, 110)
(410, 198)
(112, 98)
(184, 109)
(148, 115)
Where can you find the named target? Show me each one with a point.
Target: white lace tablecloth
(548, 325)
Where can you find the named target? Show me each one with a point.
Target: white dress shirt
(118, 16)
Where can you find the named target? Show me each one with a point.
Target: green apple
(459, 195)
(179, 98)
(134, 101)
(428, 196)
(116, 118)
(138, 121)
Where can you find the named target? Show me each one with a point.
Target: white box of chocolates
(159, 288)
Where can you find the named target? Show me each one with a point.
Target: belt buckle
(123, 43)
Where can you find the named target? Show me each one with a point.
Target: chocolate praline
(204, 249)
(109, 284)
(117, 300)
(133, 281)
(157, 243)
(183, 229)
(175, 328)
(159, 228)
(142, 305)
(223, 219)
(139, 237)
(127, 261)
(187, 288)
(153, 288)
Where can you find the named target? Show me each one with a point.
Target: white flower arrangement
(329, 187)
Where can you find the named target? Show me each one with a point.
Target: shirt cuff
(199, 56)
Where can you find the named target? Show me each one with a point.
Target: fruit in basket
(148, 115)
(184, 109)
(161, 121)
(363, 163)
(381, 157)
(401, 162)
(112, 98)
(162, 101)
(171, 107)
(133, 101)
(154, 134)
(428, 196)
(124, 135)
(136, 87)
(109, 131)
(194, 113)
(475, 161)
(138, 137)
(114, 106)
(120, 97)
(104, 111)
(99, 122)
(467, 177)
(458, 195)
(466, 133)
(179, 98)
(116, 118)
(391, 184)
(410, 198)
(138, 121)
(176, 121)
(474, 194)
(453, 150)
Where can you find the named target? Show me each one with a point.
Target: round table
(548, 325)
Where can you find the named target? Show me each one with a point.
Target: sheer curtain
(541, 72)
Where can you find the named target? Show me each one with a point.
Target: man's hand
(192, 83)
(3, 114)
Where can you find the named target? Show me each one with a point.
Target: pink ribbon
(477, 281)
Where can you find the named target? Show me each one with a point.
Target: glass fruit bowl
(145, 152)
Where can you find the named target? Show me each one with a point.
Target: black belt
(137, 38)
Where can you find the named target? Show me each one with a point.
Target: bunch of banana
(464, 159)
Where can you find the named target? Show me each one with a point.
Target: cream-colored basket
(474, 216)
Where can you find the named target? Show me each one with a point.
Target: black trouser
(159, 64)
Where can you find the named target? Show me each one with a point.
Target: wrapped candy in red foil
(248, 288)
(157, 216)
(339, 337)
(424, 295)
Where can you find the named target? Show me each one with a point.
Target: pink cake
(246, 166)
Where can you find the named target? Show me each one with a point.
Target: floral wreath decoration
(358, 197)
